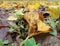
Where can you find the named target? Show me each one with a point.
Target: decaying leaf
(35, 22)
(31, 18)
(43, 27)
(41, 17)
(12, 17)
(16, 15)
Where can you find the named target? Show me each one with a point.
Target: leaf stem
(33, 34)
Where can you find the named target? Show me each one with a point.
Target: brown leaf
(41, 17)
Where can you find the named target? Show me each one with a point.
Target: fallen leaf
(5, 5)
(33, 6)
(12, 17)
(42, 27)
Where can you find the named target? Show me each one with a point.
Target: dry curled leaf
(35, 22)
(31, 18)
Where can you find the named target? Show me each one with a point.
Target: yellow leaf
(34, 6)
(54, 16)
(53, 12)
(6, 5)
(43, 27)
